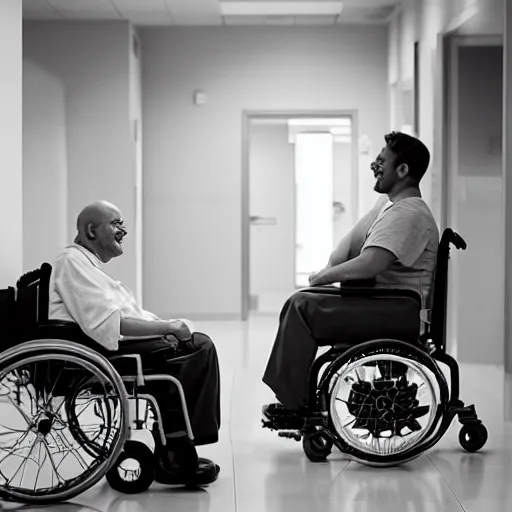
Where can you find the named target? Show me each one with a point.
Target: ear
(402, 170)
(90, 231)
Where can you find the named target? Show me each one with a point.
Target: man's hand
(180, 330)
(312, 277)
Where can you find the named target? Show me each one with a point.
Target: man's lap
(160, 353)
(335, 319)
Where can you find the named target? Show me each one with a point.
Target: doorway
(473, 201)
(299, 198)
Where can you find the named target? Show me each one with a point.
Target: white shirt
(81, 292)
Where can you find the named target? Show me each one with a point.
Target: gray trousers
(310, 319)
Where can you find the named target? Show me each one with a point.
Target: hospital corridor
(256, 255)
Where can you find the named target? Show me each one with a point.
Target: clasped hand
(313, 278)
(179, 329)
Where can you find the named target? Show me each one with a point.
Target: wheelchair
(384, 400)
(65, 415)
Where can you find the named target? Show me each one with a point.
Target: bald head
(101, 230)
(96, 213)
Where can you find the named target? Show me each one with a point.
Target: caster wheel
(316, 446)
(473, 437)
(134, 470)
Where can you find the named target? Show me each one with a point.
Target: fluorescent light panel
(281, 8)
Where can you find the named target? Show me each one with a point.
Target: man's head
(401, 164)
(101, 230)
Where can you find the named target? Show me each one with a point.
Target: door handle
(257, 220)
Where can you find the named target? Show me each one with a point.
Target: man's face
(109, 236)
(384, 171)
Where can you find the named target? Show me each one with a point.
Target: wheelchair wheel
(134, 470)
(316, 446)
(472, 437)
(386, 400)
(50, 452)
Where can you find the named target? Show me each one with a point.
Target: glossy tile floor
(262, 472)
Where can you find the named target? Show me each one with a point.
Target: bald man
(107, 312)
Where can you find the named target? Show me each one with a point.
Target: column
(507, 201)
(10, 141)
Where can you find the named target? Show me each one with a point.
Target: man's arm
(371, 262)
(341, 252)
(139, 327)
(135, 327)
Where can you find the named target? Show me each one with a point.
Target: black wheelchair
(66, 408)
(383, 400)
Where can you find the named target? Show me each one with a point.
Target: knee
(298, 300)
(204, 342)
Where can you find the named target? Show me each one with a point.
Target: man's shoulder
(71, 255)
(416, 208)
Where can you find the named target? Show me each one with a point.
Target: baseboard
(205, 317)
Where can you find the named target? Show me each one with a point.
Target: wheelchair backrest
(33, 295)
(439, 298)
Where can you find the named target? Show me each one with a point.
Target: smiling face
(109, 235)
(101, 230)
(385, 172)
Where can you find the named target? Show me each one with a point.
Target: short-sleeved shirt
(81, 292)
(407, 229)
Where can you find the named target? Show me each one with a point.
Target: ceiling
(215, 12)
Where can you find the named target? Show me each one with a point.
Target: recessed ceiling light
(280, 8)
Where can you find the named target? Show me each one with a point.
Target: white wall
(11, 227)
(476, 204)
(44, 167)
(425, 21)
(192, 155)
(92, 61)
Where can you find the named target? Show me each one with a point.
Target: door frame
(451, 45)
(450, 135)
(247, 117)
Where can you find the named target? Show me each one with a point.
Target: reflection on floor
(262, 472)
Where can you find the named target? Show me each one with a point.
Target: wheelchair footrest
(283, 423)
(290, 434)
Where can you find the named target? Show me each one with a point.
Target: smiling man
(106, 310)
(395, 245)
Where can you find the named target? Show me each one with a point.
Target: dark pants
(198, 373)
(312, 319)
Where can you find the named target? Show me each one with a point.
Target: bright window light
(324, 122)
(314, 198)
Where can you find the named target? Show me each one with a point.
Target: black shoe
(207, 472)
(284, 419)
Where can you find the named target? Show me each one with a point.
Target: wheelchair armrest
(361, 283)
(60, 329)
(138, 363)
(372, 292)
(335, 289)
